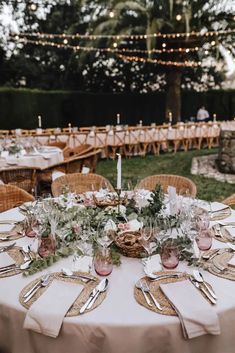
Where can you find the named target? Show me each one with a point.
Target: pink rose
(77, 228)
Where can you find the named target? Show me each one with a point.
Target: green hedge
(20, 107)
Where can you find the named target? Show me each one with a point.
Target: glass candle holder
(103, 262)
(204, 240)
(170, 255)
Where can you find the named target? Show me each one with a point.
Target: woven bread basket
(108, 202)
(129, 243)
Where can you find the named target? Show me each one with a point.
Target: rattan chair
(229, 200)
(79, 183)
(82, 149)
(12, 196)
(58, 144)
(166, 180)
(24, 178)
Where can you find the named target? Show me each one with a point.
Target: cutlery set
(198, 281)
(100, 288)
(149, 297)
(15, 267)
(46, 280)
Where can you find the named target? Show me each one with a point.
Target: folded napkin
(5, 228)
(232, 261)
(231, 231)
(47, 313)
(85, 170)
(6, 260)
(217, 207)
(83, 264)
(56, 174)
(196, 251)
(171, 192)
(152, 264)
(196, 315)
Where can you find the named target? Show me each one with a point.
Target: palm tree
(166, 16)
(151, 16)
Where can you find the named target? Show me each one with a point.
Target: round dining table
(119, 324)
(44, 158)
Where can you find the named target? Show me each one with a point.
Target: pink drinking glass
(204, 240)
(103, 262)
(170, 255)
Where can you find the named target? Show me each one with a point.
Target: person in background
(202, 114)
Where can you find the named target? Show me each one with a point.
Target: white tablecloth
(45, 159)
(119, 325)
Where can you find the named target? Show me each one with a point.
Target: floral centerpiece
(13, 147)
(78, 225)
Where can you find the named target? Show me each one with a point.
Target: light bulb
(111, 14)
(178, 17)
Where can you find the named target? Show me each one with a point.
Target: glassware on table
(202, 221)
(169, 255)
(46, 246)
(103, 262)
(28, 226)
(204, 240)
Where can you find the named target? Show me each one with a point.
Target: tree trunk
(173, 95)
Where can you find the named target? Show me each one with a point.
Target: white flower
(135, 225)
(110, 225)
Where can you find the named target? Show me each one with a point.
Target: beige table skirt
(119, 325)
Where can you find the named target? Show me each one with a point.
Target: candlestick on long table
(119, 179)
(118, 119)
(39, 121)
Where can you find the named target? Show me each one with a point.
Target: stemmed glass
(86, 234)
(103, 263)
(146, 240)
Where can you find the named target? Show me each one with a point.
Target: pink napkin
(197, 316)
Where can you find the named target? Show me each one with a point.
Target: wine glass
(147, 239)
(104, 233)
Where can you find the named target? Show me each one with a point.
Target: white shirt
(202, 114)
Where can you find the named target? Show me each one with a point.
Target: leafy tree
(172, 16)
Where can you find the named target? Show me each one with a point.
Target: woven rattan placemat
(14, 234)
(17, 256)
(82, 298)
(218, 266)
(219, 215)
(154, 287)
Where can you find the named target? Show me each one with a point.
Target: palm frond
(129, 5)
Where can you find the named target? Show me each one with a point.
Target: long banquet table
(119, 324)
(48, 157)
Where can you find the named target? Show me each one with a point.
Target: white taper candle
(39, 121)
(118, 119)
(119, 172)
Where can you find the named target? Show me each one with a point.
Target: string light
(178, 17)
(125, 36)
(111, 14)
(65, 45)
(191, 64)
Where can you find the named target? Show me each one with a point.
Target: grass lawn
(137, 168)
